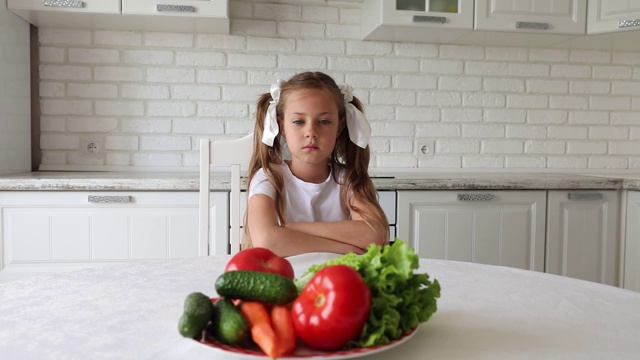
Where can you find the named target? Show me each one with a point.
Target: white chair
(233, 153)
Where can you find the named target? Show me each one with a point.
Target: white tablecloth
(131, 311)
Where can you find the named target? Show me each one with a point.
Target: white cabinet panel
(29, 233)
(69, 234)
(496, 227)
(149, 237)
(178, 244)
(196, 8)
(84, 6)
(92, 14)
(209, 16)
(610, 16)
(415, 21)
(582, 235)
(632, 242)
(110, 237)
(537, 16)
(45, 231)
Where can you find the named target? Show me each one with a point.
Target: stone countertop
(189, 181)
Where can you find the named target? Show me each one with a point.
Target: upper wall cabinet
(539, 23)
(209, 16)
(438, 21)
(52, 7)
(611, 25)
(609, 16)
(578, 24)
(534, 16)
(200, 12)
(526, 23)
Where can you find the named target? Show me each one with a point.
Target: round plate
(302, 351)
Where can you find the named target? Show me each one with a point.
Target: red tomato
(332, 308)
(260, 259)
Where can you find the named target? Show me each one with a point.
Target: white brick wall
(147, 97)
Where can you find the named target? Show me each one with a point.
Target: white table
(131, 311)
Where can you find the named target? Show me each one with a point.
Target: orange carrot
(282, 323)
(260, 323)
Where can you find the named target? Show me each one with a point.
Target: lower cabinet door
(505, 227)
(582, 235)
(44, 232)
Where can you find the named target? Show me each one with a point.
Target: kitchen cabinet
(632, 242)
(179, 15)
(483, 22)
(209, 16)
(416, 20)
(612, 16)
(44, 232)
(67, 14)
(505, 227)
(528, 23)
(66, 6)
(582, 235)
(197, 8)
(569, 233)
(611, 26)
(539, 16)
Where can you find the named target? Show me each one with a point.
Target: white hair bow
(357, 124)
(270, 120)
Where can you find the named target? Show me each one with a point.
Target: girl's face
(310, 126)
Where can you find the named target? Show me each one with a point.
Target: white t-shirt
(303, 201)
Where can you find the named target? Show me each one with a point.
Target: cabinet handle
(475, 197)
(175, 8)
(628, 23)
(585, 196)
(429, 19)
(532, 25)
(64, 3)
(109, 199)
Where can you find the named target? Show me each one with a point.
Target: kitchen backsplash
(144, 98)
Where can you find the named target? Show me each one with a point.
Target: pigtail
(264, 157)
(353, 162)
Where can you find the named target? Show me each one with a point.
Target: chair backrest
(233, 153)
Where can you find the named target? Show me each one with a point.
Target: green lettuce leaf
(401, 298)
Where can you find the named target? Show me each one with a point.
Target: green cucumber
(228, 324)
(198, 311)
(256, 286)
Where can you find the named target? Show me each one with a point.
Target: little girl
(309, 189)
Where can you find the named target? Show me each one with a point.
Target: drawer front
(87, 6)
(54, 234)
(93, 227)
(199, 8)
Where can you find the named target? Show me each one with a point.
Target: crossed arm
(296, 238)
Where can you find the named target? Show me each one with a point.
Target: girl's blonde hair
(347, 158)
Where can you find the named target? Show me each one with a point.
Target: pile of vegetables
(349, 302)
(400, 298)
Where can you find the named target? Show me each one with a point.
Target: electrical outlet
(425, 148)
(92, 147)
